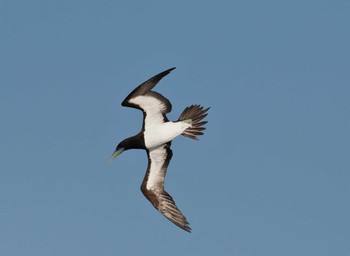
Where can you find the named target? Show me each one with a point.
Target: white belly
(159, 134)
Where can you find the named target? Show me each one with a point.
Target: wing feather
(153, 186)
(144, 89)
(153, 104)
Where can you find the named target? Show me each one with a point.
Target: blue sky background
(271, 176)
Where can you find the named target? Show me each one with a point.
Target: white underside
(159, 134)
(156, 173)
(153, 108)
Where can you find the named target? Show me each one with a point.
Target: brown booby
(155, 137)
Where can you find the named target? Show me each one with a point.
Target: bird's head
(118, 150)
(134, 142)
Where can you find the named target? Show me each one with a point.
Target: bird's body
(158, 134)
(155, 137)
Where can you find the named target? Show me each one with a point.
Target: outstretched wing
(153, 104)
(153, 186)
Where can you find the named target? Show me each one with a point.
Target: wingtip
(183, 225)
(169, 70)
(187, 229)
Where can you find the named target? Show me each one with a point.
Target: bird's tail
(194, 116)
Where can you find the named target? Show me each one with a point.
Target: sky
(270, 176)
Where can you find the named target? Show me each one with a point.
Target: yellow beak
(115, 154)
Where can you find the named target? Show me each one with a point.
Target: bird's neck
(135, 142)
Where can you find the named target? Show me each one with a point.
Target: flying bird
(155, 137)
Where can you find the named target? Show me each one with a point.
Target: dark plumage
(155, 137)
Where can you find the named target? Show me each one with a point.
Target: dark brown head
(134, 142)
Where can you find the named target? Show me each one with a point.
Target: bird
(155, 138)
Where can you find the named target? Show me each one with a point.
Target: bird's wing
(153, 186)
(153, 104)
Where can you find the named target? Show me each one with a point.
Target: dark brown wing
(144, 89)
(153, 186)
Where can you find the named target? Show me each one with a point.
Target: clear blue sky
(270, 177)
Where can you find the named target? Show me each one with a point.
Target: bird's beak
(115, 154)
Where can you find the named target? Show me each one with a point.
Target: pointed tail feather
(194, 115)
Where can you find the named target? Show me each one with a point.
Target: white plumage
(155, 137)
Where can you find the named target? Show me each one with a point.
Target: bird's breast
(159, 134)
